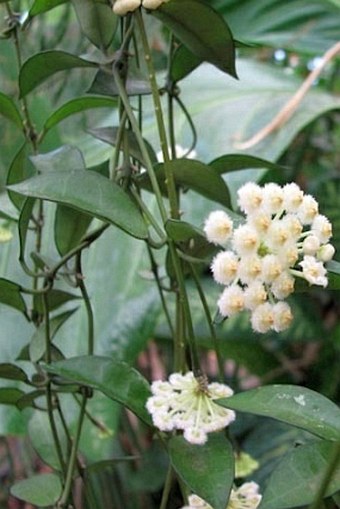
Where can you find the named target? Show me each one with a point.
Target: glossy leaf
(208, 469)
(10, 395)
(109, 135)
(115, 379)
(69, 228)
(37, 345)
(59, 159)
(297, 478)
(41, 6)
(183, 63)
(41, 490)
(9, 110)
(42, 66)
(97, 21)
(10, 294)
(76, 106)
(104, 83)
(202, 30)
(19, 170)
(12, 372)
(292, 404)
(180, 231)
(193, 175)
(234, 162)
(88, 192)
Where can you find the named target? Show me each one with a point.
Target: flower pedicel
(283, 237)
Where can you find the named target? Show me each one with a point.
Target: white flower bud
(326, 253)
(218, 227)
(122, 7)
(310, 245)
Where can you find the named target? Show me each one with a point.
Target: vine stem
(89, 310)
(167, 488)
(332, 465)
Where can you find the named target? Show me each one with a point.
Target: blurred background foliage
(280, 42)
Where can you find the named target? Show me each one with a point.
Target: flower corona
(283, 237)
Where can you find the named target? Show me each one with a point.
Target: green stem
(332, 465)
(209, 321)
(88, 307)
(73, 456)
(167, 488)
(170, 182)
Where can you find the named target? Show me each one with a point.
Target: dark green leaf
(56, 298)
(10, 395)
(97, 21)
(12, 372)
(202, 30)
(183, 63)
(76, 106)
(207, 469)
(69, 228)
(37, 345)
(115, 379)
(292, 404)
(296, 480)
(180, 231)
(40, 6)
(9, 110)
(88, 192)
(194, 175)
(28, 399)
(234, 162)
(333, 275)
(42, 65)
(109, 135)
(41, 437)
(104, 83)
(42, 490)
(24, 219)
(20, 169)
(10, 294)
(59, 159)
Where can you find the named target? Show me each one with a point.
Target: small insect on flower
(283, 237)
(187, 403)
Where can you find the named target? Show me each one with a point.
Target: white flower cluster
(245, 497)
(283, 237)
(122, 7)
(186, 403)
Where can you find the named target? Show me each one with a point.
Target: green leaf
(192, 174)
(9, 110)
(234, 162)
(104, 83)
(41, 490)
(180, 231)
(115, 379)
(292, 404)
(199, 27)
(97, 21)
(88, 192)
(12, 372)
(23, 224)
(37, 345)
(333, 275)
(207, 469)
(56, 298)
(43, 65)
(61, 158)
(69, 228)
(109, 135)
(40, 6)
(40, 434)
(183, 63)
(20, 169)
(297, 479)
(76, 106)
(10, 294)
(10, 395)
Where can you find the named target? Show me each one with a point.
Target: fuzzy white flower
(224, 267)
(246, 496)
(314, 271)
(231, 301)
(187, 403)
(250, 197)
(218, 227)
(283, 237)
(122, 7)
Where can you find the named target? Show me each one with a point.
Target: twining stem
(167, 488)
(88, 307)
(332, 466)
(73, 456)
